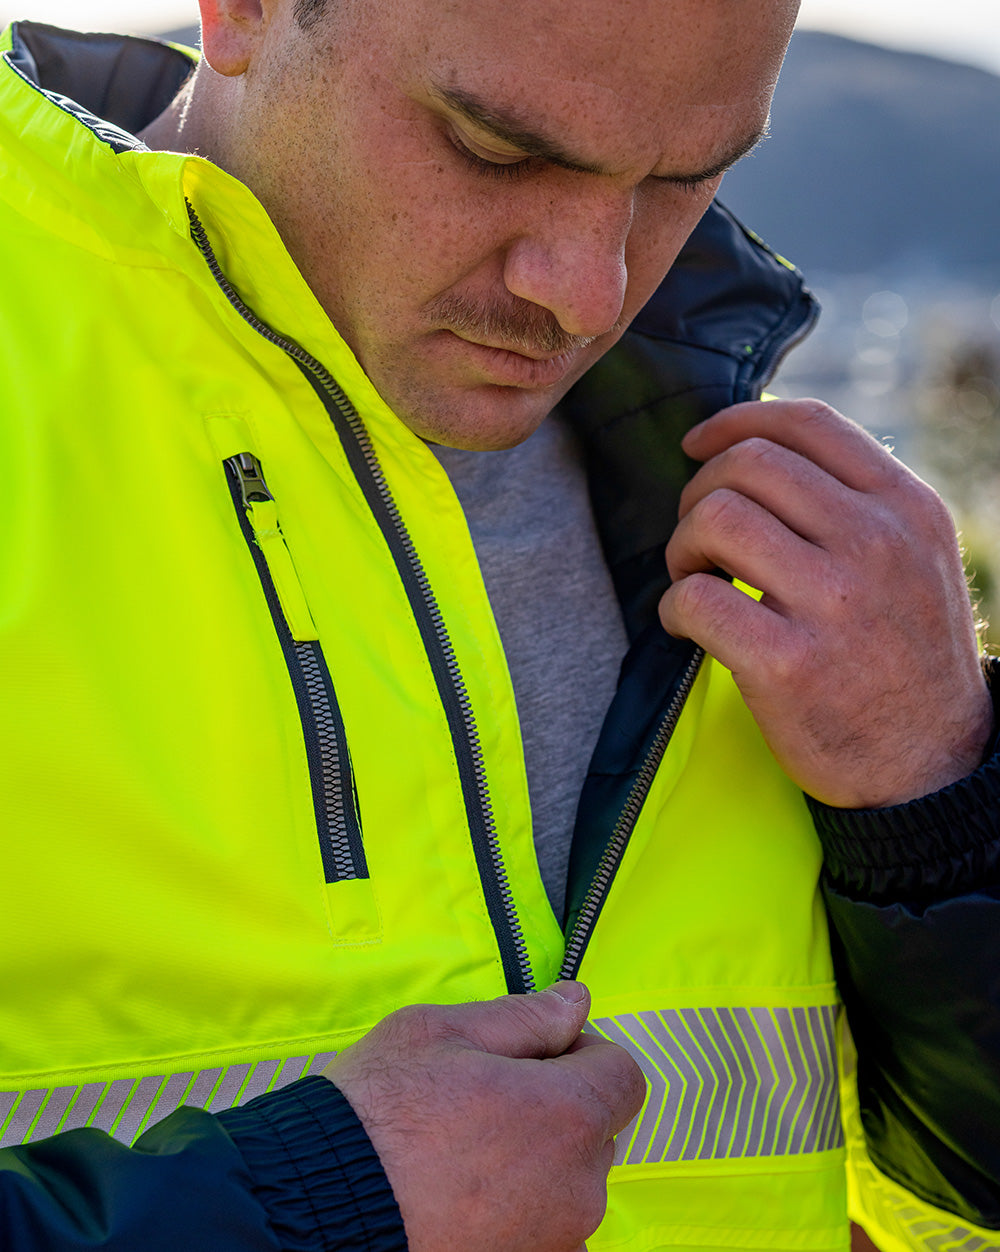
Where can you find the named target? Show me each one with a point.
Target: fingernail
(693, 431)
(571, 992)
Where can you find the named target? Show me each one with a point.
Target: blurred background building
(881, 181)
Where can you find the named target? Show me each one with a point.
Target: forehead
(670, 77)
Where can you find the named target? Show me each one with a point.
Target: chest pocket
(352, 911)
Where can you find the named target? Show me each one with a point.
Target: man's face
(483, 193)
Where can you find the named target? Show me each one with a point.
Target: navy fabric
(913, 894)
(292, 1171)
(106, 79)
(185, 1185)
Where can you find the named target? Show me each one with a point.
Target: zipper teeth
(358, 430)
(610, 858)
(329, 750)
(339, 837)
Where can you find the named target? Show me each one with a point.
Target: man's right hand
(495, 1121)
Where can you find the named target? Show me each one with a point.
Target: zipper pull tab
(247, 469)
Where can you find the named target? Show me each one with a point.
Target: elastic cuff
(315, 1171)
(944, 841)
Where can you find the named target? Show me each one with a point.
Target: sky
(963, 30)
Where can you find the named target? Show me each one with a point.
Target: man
(264, 783)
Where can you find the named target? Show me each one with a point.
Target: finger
(808, 427)
(727, 623)
(613, 1077)
(543, 1024)
(730, 532)
(807, 499)
(585, 1040)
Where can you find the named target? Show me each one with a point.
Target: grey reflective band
(126, 1106)
(731, 1082)
(894, 1212)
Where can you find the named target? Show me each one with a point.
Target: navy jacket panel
(913, 893)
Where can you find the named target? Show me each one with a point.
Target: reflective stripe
(25, 1112)
(320, 1061)
(731, 1083)
(111, 1105)
(55, 1110)
(7, 1099)
(127, 1106)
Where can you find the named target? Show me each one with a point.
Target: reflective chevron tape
(126, 1106)
(724, 1082)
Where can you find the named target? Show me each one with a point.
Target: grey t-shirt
(529, 515)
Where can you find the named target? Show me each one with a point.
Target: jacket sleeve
(290, 1170)
(913, 895)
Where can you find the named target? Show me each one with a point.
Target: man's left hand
(860, 662)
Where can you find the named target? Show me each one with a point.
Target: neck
(194, 121)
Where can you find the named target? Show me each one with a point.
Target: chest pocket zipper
(330, 772)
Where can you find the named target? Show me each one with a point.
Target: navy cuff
(315, 1171)
(933, 846)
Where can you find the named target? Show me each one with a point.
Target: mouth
(511, 367)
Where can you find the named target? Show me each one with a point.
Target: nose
(572, 262)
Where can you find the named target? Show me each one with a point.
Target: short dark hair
(308, 12)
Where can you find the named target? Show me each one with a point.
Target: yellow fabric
(170, 912)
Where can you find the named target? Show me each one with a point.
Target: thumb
(542, 1024)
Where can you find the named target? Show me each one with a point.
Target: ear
(230, 30)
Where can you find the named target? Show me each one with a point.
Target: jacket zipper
(583, 927)
(440, 652)
(593, 902)
(331, 775)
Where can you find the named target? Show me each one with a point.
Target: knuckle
(753, 452)
(936, 514)
(415, 1023)
(579, 1120)
(788, 661)
(694, 596)
(721, 511)
(531, 1024)
(881, 541)
(815, 412)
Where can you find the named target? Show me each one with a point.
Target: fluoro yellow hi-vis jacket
(261, 778)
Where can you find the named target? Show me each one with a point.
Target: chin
(485, 423)
(481, 427)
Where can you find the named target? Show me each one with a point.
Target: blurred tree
(957, 426)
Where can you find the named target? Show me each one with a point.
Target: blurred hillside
(882, 182)
(879, 162)
(189, 35)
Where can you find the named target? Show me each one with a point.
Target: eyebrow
(506, 125)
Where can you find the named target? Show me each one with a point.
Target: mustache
(515, 324)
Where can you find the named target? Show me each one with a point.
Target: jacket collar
(115, 84)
